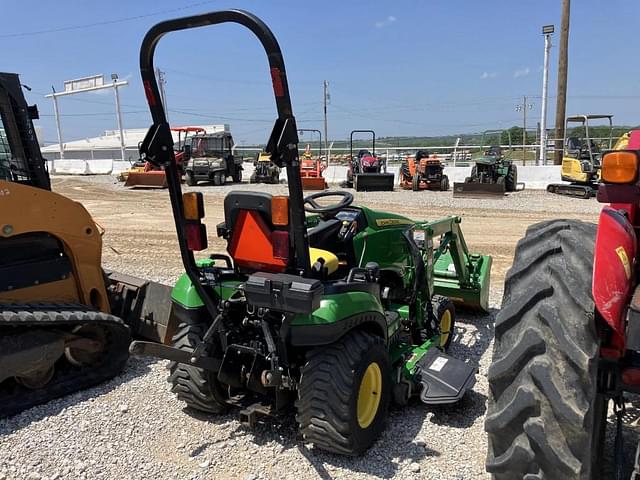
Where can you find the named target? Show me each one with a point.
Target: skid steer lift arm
(283, 143)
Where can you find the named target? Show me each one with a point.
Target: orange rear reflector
(251, 246)
(620, 166)
(193, 205)
(280, 210)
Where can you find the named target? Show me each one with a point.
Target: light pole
(114, 77)
(523, 108)
(547, 31)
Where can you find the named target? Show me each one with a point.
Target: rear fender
(613, 270)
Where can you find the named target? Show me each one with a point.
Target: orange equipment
(144, 174)
(426, 174)
(311, 171)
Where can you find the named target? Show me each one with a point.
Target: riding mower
(333, 314)
(493, 174)
(311, 168)
(423, 173)
(264, 170)
(366, 172)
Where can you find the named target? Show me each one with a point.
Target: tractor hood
(369, 161)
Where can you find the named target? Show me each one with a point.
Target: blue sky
(400, 67)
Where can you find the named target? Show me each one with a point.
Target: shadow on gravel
(472, 351)
(135, 367)
(631, 436)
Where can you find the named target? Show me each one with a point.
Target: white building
(107, 146)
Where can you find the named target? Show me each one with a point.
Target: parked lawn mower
(264, 170)
(581, 158)
(423, 173)
(493, 174)
(311, 168)
(333, 314)
(367, 173)
(568, 337)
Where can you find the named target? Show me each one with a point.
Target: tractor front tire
(415, 182)
(196, 387)
(545, 418)
(190, 179)
(445, 313)
(344, 394)
(512, 179)
(444, 183)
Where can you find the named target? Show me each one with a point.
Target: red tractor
(567, 339)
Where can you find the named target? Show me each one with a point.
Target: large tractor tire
(512, 178)
(545, 418)
(344, 394)
(196, 387)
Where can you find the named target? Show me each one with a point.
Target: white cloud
(522, 72)
(486, 75)
(387, 21)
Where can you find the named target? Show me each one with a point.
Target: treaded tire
(197, 387)
(191, 181)
(512, 179)
(544, 417)
(441, 305)
(415, 182)
(328, 394)
(444, 183)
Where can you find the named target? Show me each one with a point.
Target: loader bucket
(478, 190)
(314, 183)
(152, 179)
(373, 182)
(473, 295)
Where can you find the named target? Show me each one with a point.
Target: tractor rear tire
(545, 418)
(333, 412)
(197, 387)
(512, 179)
(415, 183)
(237, 177)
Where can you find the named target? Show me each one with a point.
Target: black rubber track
(197, 387)
(15, 318)
(542, 418)
(328, 391)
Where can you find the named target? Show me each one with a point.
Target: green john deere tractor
(333, 313)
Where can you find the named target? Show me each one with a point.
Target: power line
(106, 22)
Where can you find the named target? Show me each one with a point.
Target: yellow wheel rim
(445, 327)
(369, 395)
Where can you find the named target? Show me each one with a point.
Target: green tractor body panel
(185, 294)
(334, 308)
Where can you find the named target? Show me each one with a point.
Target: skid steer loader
(65, 324)
(333, 314)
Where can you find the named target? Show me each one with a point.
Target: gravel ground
(133, 427)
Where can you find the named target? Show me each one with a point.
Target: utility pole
(160, 76)
(547, 30)
(326, 101)
(114, 77)
(58, 127)
(563, 59)
(524, 106)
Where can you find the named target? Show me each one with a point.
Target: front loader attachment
(373, 182)
(314, 183)
(478, 190)
(151, 179)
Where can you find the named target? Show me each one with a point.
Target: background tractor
(568, 338)
(423, 172)
(367, 172)
(494, 173)
(320, 306)
(209, 157)
(581, 158)
(311, 167)
(264, 170)
(65, 324)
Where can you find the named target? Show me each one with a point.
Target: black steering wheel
(312, 206)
